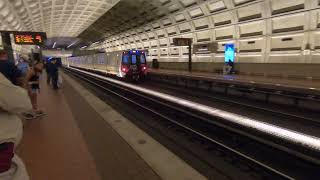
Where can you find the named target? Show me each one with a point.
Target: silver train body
(124, 64)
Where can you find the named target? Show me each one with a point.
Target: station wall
(270, 32)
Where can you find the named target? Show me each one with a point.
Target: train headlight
(143, 67)
(124, 69)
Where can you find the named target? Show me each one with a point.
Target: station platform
(82, 138)
(277, 83)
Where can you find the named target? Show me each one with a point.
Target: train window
(142, 59)
(125, 59)
(134, 59)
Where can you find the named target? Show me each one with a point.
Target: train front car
(133, 65)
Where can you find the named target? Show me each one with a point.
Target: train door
(125, 63)
(143, 63)
(108, 56)
(112, 63)
(108, 62)
(134, 63)
(118, 62)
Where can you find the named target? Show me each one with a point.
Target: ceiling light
(72, 43)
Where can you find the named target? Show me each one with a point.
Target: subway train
(130, 65)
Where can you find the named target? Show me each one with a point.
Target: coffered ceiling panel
(58, 18)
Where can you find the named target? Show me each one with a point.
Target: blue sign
(229, 53)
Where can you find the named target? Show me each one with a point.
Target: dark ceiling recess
(63, 43)
(125, 15)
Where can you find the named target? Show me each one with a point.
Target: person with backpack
(23, 66)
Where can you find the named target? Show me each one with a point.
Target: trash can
(155, 64)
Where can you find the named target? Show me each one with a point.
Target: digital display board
(29, 38)
(206, 48)
(182, 41)
(229, 53)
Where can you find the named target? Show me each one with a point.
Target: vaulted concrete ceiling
(128, 14)
(58, 18)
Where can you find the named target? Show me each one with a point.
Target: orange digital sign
(29, 38)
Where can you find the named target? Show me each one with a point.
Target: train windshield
(134, 59)
(125, 59)
(142, 59)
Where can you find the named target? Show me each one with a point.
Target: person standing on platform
(231, 66)
(54, 65)
(33, 87)
(13, 100)
(8, 69)
(23, 66)
(46, 66)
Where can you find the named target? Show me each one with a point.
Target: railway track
(224, 147)
(291, 118)
(242, 100)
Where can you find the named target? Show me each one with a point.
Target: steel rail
(105, 80)
(299, 138)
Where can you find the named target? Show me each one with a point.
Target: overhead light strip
(72, 43)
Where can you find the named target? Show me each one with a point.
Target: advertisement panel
(229, 53)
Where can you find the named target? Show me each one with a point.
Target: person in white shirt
(13, 100)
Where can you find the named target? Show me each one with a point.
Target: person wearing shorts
(33, 88)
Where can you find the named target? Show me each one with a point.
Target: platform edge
(164, 163)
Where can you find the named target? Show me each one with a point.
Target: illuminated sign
(29, 38)
(229, 53)
(182, 41)
(205, 48)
